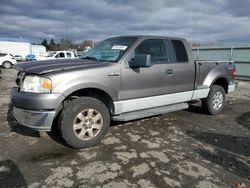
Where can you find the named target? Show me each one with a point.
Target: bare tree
(52, 46)
(66, 44)
(86, 43)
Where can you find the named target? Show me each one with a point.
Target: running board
(149, 112)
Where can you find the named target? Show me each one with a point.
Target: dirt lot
(181, 149)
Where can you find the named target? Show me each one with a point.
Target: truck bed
(206, 70)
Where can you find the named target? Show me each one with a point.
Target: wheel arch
(217, 76)
(221, 81)
(95, 93)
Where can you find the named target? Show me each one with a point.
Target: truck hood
(43, 67)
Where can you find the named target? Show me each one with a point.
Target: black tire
(7, 64)
(207, 103)
(69, 116)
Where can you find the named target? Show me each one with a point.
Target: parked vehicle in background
(30, 57)
(7, 60)
(87, 48)
(122, 79)
(59, 55)
(19, 57)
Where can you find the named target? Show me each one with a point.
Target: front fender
(89, 86)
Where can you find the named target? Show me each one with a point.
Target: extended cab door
(183, 68)
(151, 81)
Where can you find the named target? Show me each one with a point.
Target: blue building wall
(240, 53)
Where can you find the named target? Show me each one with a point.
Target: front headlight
(36, 84)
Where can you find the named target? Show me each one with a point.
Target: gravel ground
(180, 149)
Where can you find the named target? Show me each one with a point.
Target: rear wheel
(7, 64)
(84, 122)
(215, 101)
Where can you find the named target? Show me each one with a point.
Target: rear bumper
(232, 88)
(38, 120)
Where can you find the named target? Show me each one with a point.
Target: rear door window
(69, 54)
(180, 51)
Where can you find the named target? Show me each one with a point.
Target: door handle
(114, 74)
(170, 72)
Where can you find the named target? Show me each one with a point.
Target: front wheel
(84, 122)
(215, 101)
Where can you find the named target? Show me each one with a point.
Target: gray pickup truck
(121, 79)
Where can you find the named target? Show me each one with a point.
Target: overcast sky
(196, 20)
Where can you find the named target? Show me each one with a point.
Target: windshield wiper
(94, 58)
(90, 57)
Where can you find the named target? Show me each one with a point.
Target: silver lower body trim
(200, 93)
(38, 120)
(151, 102)
(131, 105)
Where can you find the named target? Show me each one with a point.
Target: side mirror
(140, 60)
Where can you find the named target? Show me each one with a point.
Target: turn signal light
(233, 73)
(47, 84)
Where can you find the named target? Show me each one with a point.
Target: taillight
(234, 73)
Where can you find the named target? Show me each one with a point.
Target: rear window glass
(180, 51)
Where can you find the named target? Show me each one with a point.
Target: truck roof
(151, 36)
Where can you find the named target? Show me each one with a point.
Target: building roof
(220, 45)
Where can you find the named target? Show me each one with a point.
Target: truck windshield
(111, 49)
(51, 54)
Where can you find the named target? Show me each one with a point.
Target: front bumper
(35, 101)
(35, 110)
(38, 120)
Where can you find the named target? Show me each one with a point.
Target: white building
(17, 46)
(38, 50)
